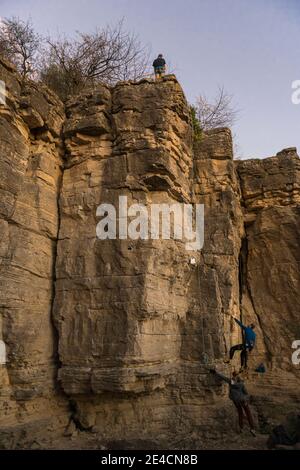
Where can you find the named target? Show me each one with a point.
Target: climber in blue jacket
(249, 338)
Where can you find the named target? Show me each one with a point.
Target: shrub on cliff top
(66, 65)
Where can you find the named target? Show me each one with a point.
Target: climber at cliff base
(249, 338)
(239, 396)
(159, 65)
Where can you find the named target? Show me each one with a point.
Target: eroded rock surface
(271, 275)
(31, 170)
(119, 334)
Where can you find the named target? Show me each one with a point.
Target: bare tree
(20, 44)
(106, 56)
(219, 113)
(59, 68)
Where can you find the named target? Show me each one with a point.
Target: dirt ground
(85, 440)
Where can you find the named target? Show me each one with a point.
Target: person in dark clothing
(247, 345)
(159, 65)
(286, 435)
(240, 398)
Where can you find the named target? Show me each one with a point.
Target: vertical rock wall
(217, 187)
(271, 275)
(138, 322)
(125, 330)
(31, 169)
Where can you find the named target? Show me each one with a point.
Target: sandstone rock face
(125, 329)
(270, 273)
(217, 187)
(109, 315)
(31, 168)
(127, 311)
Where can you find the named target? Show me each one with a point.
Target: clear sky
(251, 47)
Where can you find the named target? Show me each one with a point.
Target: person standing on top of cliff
(239, 396)
(159, 65)
(249, 338)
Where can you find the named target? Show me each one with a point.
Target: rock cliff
(117, 335)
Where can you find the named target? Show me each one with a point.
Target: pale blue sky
(250, 47)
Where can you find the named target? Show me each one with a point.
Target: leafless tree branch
(20, 44)
(107, 56)
(219, 113)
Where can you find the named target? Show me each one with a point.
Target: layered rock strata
(120, 333)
